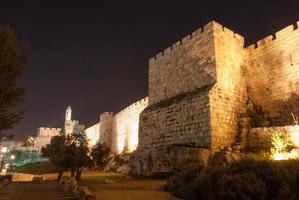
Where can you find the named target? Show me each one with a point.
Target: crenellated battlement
(49, 129)
(48, 132)
(203, 31)
(107, 114)
(197, 33)
(141, 103)
(283, 33)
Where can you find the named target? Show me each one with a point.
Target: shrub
(179, 183)
(245, 179)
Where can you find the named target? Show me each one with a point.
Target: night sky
(93, 55)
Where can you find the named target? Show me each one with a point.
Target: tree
(13, 61)
(68, 152)
(99, 154)
(29, 142)
(58, 154)
(78, 145)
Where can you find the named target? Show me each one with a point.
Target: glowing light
(12, 157)
(4, 149)
(294, 135)
(281, 144)
(133, 139)
(293, 154)
(93, 134)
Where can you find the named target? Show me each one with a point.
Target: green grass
(37, 168)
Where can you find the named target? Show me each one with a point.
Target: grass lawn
(36, 168)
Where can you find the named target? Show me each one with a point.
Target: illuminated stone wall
(205, 91)
(177, 121)
(183, 67)
(125, 127)
(106, 120)
(272, 71)
(93, 133)
(48, 131)
(260, 138)
(228, 96)
(44, 136)
(120, 131)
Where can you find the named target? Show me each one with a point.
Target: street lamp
(12, 157)
(3, 150)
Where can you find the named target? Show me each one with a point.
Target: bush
(179, 183)
(245, 179)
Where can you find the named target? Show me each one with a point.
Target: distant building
(45, 134)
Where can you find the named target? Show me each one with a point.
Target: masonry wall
(125, 127)
(260, 138)
(106, 120)
(228, 96)
(48, 131)
(93, 133)
(44, 136)
(209, 118)
(183, 67)
(181, 120)
(272, 69)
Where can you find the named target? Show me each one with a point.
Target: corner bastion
(208, 91)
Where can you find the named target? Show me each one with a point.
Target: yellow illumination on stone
(279, 150)
(294, 135)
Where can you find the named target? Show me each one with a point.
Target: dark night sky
(93, 55)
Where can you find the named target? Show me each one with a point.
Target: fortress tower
(68, 114)
(71, 126)
(208, 92)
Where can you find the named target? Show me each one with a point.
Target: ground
(48, 190)
(106, 186)
(110, 186)
(113, 186)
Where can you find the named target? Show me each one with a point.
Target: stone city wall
(183, 67)
(120, 131)
(180, 120)
(228, 96)
(93, 133)
(210, 65)
(44, 136)
(106, 120)
(48, 131)
(272, 75)
(260, 138)
(125, 127)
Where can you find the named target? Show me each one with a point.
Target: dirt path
(109, 186)
(48, 190)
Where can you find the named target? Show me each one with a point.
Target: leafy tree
(78, 145)
(99, 154)
(69, 152)
(29, 142)
(59, 154)
(13, 61)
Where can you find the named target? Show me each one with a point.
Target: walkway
(48, 190)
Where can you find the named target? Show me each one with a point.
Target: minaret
(68, 114)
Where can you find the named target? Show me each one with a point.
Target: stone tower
(106, 120)
(68, 123)
(68, 114)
